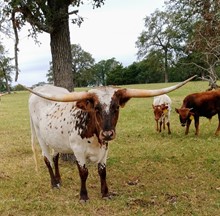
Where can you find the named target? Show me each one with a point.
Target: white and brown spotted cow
(162, 107)
(80, 122)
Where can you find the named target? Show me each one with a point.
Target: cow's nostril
(108, 135)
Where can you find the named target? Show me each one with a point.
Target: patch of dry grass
(149, 173)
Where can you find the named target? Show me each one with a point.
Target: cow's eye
(97, 108)
(115, 108)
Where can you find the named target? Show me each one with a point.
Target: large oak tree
(52, 17)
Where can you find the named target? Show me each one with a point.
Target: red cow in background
(205, 104)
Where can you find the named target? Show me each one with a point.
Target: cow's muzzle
(107, 135)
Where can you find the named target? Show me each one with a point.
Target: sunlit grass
(149, 173)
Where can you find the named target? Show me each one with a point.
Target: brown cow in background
(205, 104)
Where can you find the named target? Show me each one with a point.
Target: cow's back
(48, 117)
(37, 103)
(162, 99)
(204, 104)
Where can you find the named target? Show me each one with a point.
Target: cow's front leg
(160, 126)
(168, 126)
(83, 173)
(196, 119)
(102, 174)
(187, 126)
(157, 127)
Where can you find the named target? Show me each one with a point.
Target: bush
(18, 88)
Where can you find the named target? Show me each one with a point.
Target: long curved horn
(141, 93)
(68, 97)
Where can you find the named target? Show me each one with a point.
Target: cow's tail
(33, 144)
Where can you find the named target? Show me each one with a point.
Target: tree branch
(15, 26)
(31, 19)
(73, 12)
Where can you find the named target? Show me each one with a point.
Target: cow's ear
(87, 104)
(191, 113)
(123, 101)
(122, 98)
(177, 110)
(165, 107)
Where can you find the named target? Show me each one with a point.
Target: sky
(107, 32)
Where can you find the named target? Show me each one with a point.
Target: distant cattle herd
(205, 104)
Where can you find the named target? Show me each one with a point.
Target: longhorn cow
(81, 123)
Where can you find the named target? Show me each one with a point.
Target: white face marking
(105, 96)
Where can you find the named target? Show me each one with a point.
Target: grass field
(148, 173)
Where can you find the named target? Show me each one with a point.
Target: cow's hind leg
(168, 126)
(164, 124)
(218, 129)
(102, 174)
(54, 182)
(83, 173)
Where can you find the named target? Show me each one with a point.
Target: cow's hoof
(107, 197)
(56, 186)
(83, 202)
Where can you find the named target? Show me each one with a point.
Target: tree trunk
(166, 66)
(61, 54)
(62, 60)
(6, 82)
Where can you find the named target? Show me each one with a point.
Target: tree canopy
(186, 33)
(6, 70)
(52, 17)
(203, 40)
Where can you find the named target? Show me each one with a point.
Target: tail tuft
(33, 146)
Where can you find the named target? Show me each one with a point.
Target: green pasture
(148, 173)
